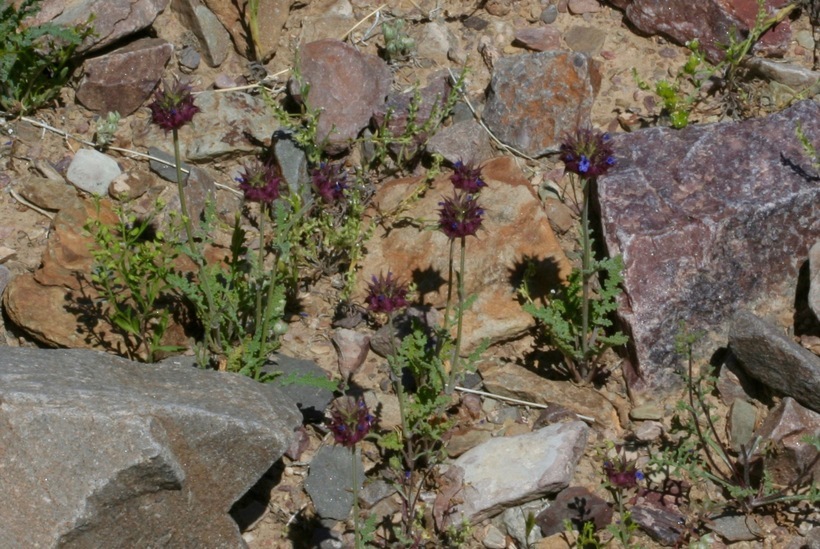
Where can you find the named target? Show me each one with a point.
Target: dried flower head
(467, 178)
(622, 473)
(386, 294)
(260, 182)
(460, 216)
(588, 153)
(350, 421)
(329, 181)
(173, 106)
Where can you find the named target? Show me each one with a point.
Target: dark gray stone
(292, 161)
(330, 480)
(663, 524)
(213, 38)
(769, 356)
(99, 451)
(549, 14)
(310, 399)
(166, 170)
(707, 219)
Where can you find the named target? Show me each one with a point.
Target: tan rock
(515, 231)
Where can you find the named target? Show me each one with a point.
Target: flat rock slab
(98, 451)
(515, 232)
(708, 219)
(508, 471)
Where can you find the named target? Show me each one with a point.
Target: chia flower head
(622, 473)
(260, 182)
(467, 178)
(350, 421)
(386, 294)
(173, 106)
(588, 153)
(329, 181)
(460, 216)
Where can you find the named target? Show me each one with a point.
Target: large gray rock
(102, 452)
(769, 356)
(507, 471)
(707, 219)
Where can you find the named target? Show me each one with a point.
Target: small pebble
(223, 81)
(189, 58)
(804, 39)
(550, 14)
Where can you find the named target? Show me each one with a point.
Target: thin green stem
(585, 371)
(260, 260)
(454, 367)
(449, 286)
(356, 531)
(398, 386)
(212, 335)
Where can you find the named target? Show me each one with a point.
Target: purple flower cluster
(466, 178)
(173, 106)
(350, 421)
(386, 294)
(588, 153)
(260, 182)
(622, 473)
(329, 181)
(460, 215)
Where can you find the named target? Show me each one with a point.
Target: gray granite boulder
(99, 451)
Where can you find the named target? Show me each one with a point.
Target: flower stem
(401, 396)
(584, 371)
(260, 260)
(213, 335)
(356, 533)
(449, 287)
(454, 367)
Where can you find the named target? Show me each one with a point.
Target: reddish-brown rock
(539, 38)
(708, 219)
(272, 15)
(709, 21)
(123, 79)
(346, 87)
(536, 98)
(515, 231)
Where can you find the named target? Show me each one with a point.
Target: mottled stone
(578, 505)
(515, 232)
(272, 15)
(580, 7)
(352, 348)
(330, 480)
(663, 524)
(214, 40)
(786, 426)
(113, 19)
(226, 121)
(122, 80)
(514, 381)
(48, 193)
(347, 87)
(507, 471)
(536, 98)
(539, 38)
(425, 102)
(794, 76)
(706, 219)
(769, 356)
(587, 40)
(709, 21)
(466, 141)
